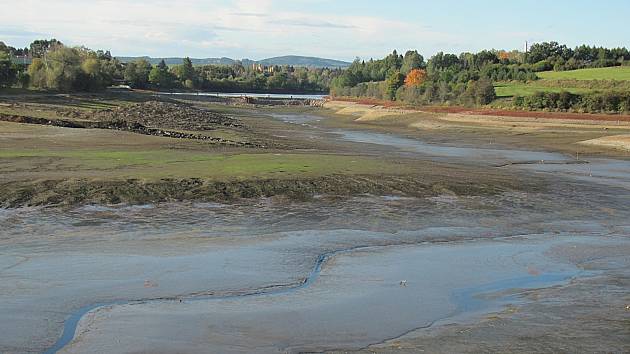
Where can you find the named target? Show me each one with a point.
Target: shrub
(607, 101)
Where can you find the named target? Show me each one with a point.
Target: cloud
(210, 28)
(249, 14)
(305, 22)
(18, 32)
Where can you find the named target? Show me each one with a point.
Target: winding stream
(197, 277)
(465, 299)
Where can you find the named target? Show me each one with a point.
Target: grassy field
(575, 81)
(621, 73)
(158, 164)
(91, 153)
(511, 89)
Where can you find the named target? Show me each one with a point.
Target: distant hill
(292, 60)
(174, 61)
(295, 60)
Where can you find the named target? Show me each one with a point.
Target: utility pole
(526, 50)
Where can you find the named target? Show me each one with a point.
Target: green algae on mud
(47, 165)
(186, 163)
(135, 191)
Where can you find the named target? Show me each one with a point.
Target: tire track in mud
(72, 322)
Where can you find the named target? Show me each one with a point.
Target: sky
(337, 29)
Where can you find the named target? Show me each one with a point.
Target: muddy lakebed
(328, 274)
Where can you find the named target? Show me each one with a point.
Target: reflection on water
(249, 94)
(592, 170)
(253, 218)
(68, 259)
(54, 262)
(357, 301)
(473, 154)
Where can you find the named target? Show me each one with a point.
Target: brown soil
(134, 191)
(156, 114)
(529, 114)
(492, 111)
(122, 125)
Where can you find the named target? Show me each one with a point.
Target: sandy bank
(621, 142)
(430, 118)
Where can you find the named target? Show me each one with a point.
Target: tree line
(469, 78)
(592, 102)
(443, 78)
(229, 78)
(558, 57)
(55, 66)
(465, 79)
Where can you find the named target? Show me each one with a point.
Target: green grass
(511, 89)
(186, 164)
(575, 81)
(621, 73)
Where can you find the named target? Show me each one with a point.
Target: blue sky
(328, 28)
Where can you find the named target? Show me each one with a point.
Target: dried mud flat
(616, 141)
(368, 242)
(357, 302)
(588, 315)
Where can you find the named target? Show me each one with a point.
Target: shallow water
(469, 153)
(590, 170)
(356, 301)
(55, 264)
(249, 94)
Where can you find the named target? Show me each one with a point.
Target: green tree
(186, 74)
(8, 71)
(279, 81)
(37, 73)
(92, 76)
(23, 79)
(160, 76)
(41, 46)
(394, 82)
(137, 73)
(63, 65)
(188, 71)
(411, 61)
(483, 91)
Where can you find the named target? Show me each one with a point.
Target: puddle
(300, 119)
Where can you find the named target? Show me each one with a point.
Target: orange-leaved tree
(416, 77)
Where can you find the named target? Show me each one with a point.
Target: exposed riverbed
(270, 276)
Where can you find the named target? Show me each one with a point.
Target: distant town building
(259, 68)
(22, 59)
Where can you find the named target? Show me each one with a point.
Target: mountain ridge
(292, 60)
